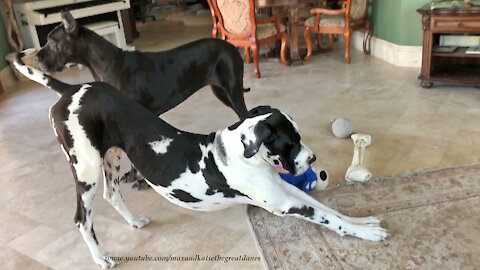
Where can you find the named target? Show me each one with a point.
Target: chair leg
(317, 41)
(255, 59)
(283, 49)
(246, 51)
(366, 37)
(270, 52)
(348, 38)
(306, 36)
(330, 42)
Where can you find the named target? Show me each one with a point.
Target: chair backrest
(236, 17)
(357, 9)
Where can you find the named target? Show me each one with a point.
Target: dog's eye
(276, 162)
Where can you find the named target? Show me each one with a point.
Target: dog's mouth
(279, 167)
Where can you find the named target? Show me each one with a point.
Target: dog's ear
(69, 22)
(260, 110)
(254, 136)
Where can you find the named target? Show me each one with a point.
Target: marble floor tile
(13, 225)
(13, 260)
(31, 242)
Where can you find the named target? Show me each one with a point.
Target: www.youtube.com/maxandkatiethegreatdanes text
(194, 258)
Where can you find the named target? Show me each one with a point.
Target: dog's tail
(40, 77)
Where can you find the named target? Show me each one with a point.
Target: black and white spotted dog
(232, 166)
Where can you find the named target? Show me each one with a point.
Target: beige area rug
(433, 218)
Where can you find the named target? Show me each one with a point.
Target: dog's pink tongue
(278, 166)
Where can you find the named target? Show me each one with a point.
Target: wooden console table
(449, 67)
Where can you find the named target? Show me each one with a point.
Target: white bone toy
(357, 172)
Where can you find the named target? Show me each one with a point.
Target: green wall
(4, 47)
(397, 21)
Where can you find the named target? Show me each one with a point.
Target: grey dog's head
(61, 47)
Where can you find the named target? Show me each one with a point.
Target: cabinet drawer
(456, 24)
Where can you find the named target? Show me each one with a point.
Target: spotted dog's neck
(229, 147)
(219, 146)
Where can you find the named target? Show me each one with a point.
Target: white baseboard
(398, 55)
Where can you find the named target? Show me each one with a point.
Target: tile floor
(411, 128)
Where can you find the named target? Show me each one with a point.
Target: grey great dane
(158, 81)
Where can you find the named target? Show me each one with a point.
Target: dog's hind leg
(297, 203)
(111, 193)
(221, 94)
(228, 84)
(87, 178)
(237, 103)
(233, 83)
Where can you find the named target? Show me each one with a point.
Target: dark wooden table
(456, 67)
(293, 6)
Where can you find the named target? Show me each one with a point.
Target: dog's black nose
(312, 159)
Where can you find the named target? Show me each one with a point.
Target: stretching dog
(232, 166)
(158, 81)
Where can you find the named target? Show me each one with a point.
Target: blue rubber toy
(306, 181)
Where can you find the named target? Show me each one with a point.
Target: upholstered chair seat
(327, 21)
(268, 30)
(351, 17)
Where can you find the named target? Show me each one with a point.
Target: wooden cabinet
(456, 67)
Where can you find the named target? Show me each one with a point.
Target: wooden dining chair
(351, 17)
(236, 23)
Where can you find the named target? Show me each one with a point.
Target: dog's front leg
(111, 167)
(299, 204)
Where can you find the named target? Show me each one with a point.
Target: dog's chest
(191, 191)
(200, 185)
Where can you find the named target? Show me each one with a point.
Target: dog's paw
(140, 185)
(139, 222)
(105, 262)
(369, 232)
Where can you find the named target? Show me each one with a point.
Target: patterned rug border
(375, 181)
(257, 243)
